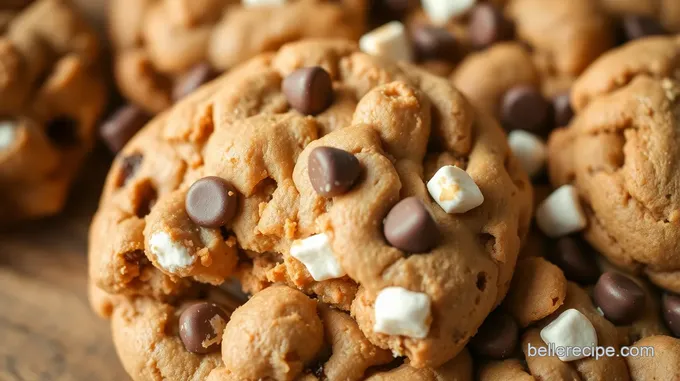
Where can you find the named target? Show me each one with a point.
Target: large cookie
(308, 191)
(51, 95)
(622, 152)
(166, 49)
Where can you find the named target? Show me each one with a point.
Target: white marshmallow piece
(7, 134)
(529, 149)
(389, 41)
(561, 213)
(571, 329)
(454, 190)
(316, 254)
(170, 255)
(441, 11)
(257, 3)
(399, 311)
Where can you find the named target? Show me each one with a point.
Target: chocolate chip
(562, 109)
(211, 202)
(619, 297)
(409, 226)
(497, 337)
(63, 131)
(671, 312)
(201, 326)
(14, 5)
(636, 26)
(146, 199)
(573, 256)
(122, 126)
(524, 108)
(309, 90)
(197, 76)
(434, 43)
(383, 11)
(128, 167)
(332, 171)
(487, 26)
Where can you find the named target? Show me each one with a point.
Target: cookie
(619, 154)
(331, 201)
(166, 49)
(547, 307)
(51, 95)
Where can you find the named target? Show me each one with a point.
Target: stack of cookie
(304, 190)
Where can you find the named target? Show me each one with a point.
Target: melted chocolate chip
(309, 90)
(409, 226)
(525, 108)
(498, 336)
(332, 171)
(201, 326)
(211, 202)
(621, 299)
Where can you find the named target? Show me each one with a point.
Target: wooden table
(47, 330)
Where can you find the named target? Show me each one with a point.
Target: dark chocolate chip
(122, 126)
(63, 131)
(332, 171)
(576, 260)
(192, 80)
(671, 312)
(409, 226)
(498, 336)
(383, 11)
(619, 297)
(211, 202)
(562, 109)
(146, 199)
(525, 108)
(309, 90)
(128, 167)
(636, 26)
(201, 326)
(434, 43)
(487, 26)
(15, 5)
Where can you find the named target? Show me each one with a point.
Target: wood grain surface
(47, 330)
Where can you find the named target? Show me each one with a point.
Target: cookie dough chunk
(51, 95)
(621, 153)
(165, 49)
(329, 152)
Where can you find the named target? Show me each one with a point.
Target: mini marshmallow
(561, 213)
(454, 190)
(389, 40)
(257, 3)
(441, 11)
(7, 134)
(529, 150)
(316, 254)
(170, 255)
(570, 329)
(399, 311)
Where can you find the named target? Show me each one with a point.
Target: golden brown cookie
(166, 49)
(51, 95)
(305, 219)
(621, 153)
